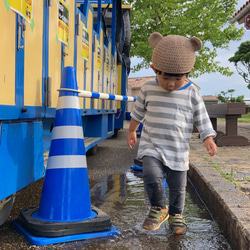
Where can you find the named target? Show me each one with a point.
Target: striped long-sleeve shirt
(168, 119)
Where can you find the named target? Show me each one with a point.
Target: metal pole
(89, 94)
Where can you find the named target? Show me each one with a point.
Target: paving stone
(228, 203)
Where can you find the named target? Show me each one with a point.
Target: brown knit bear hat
(174, 54)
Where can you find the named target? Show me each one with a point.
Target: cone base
(39, 241)
(135, 167)
(50, 229)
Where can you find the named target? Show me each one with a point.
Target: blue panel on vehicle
(21, 156)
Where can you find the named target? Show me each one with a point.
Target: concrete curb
(229, 206)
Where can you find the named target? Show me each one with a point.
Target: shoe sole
(179, 232)
(157, 226)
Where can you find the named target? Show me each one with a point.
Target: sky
(214, 83)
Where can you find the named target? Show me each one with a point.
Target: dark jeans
(153, 170)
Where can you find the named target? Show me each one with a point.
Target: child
(168, 107)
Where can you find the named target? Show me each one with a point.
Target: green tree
(223, 96)
(242, 58)
(207, 19)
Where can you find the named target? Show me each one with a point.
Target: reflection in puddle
(122, 197)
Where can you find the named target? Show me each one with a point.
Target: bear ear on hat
(196, 43)
(154, 39)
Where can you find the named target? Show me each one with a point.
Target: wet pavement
(119, 192)
(126, 202)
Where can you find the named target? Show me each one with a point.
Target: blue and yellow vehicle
(38, 39)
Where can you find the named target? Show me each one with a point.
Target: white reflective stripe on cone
(68, 102)
(62, 132)
(67, 161)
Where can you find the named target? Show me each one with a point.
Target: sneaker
(155, 218)
(177, 224)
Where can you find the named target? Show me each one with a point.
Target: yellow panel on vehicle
(89, 62)
(33, 58)
(124, 6)
(114, 77)
(119, 87)
(7, 51)
(80, 61)
(102, 59)
(98, 79)
(96, 70)
(69, 49)
(54, 53)
(106, 80)
(109, 73)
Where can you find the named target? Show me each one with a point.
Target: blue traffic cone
(65, 193)
(65, 212)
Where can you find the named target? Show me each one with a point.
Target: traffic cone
(65, 212)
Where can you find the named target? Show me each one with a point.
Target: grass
(244, 118)
(229, 176)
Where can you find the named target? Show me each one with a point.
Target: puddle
(122, 197)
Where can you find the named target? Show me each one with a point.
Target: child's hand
(210, 146)
(131, 138)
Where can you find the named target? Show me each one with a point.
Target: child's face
(170, 83)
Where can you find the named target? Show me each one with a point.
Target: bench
(231, 112)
